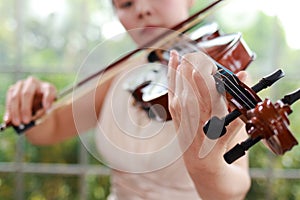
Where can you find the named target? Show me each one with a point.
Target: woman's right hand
(21, 97)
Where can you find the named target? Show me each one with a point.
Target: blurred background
(50, 39)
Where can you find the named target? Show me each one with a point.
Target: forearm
(55, 127)
(69, 119)
(222, 181)
(213, 177)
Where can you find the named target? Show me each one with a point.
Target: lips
(150, 29)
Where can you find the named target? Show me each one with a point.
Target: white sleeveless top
(144, 154)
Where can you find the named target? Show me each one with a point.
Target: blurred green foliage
(53, 48)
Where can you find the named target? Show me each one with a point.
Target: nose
(143, 8)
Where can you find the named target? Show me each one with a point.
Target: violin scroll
(264, 83)
(265, 120)
(269, 122)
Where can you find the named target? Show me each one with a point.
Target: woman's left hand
(193, 100)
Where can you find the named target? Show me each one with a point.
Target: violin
(228, 50)
(263, 119)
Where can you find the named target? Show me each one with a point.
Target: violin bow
(114, 68)
(167, 35)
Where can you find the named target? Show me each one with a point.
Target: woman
(149, 160)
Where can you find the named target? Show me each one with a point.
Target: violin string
(235, 91)
(238, 92)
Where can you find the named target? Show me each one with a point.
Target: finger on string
(189, 87)
(188, 71)
(173, 99)
(179, 81)
(204, 69)
(202, 90)
(205, 103)
(176, 89)
(176, 100)
(191, 109)
(172, 68)
(201, 62)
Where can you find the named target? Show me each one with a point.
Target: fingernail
(26, 119)
(173, 52)
(16, 121)
(6, 117)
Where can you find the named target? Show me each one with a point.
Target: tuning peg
(239, 150)
(291, 98)
(268, 80)
(216, 127)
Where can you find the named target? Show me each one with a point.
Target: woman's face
(142, 17)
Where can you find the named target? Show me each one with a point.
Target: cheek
(173, 14)
(126, 20)
(172, 21)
